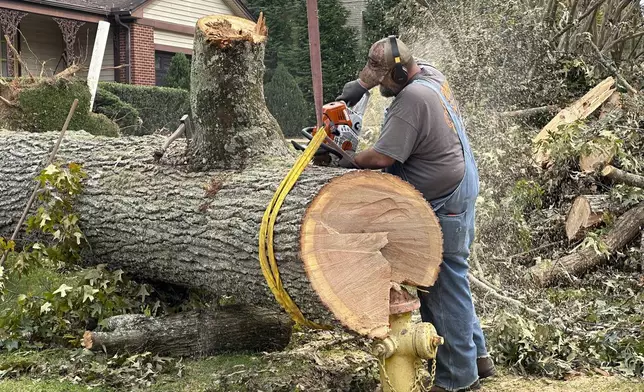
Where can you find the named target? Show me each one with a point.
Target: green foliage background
(158, 107)
(286, 102)
(342, 50)
(179, 72)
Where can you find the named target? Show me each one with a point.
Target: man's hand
(352, 93)
(346, 163)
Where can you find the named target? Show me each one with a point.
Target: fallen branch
(202, 333)
(68, 72)
(530, 111)
(501, 297)
(17, 54)
(7, 102)
(625, 229)
(579, 110)
(623, 177)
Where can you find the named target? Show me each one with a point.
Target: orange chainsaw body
(338, 125)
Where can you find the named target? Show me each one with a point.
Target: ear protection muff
(399, 73)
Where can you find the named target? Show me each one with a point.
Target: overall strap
(456, 119)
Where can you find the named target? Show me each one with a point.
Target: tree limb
(623, 177)
(611, 68)
(501, 297)
(17, 54)
(574, 22)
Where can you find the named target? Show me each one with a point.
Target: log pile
(620, 225)
(192, 217)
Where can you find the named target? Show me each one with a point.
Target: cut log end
(222, 30)
(362, 232)
(88, 340)
(577, 217)
(587, 211)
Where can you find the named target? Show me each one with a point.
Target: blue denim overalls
(448, 303)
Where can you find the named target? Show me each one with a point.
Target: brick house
(50, 34)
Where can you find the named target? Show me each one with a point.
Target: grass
(38, 371)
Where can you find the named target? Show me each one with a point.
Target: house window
(3, 56)
(162, 62)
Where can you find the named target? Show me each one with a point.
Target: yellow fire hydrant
(407, 344)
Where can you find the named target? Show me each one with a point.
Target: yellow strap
(266, 256)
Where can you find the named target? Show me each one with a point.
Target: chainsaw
(342, 126)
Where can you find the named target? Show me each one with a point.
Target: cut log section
(579, 110)
(626, 228)
(623, 177)
(194, 334)
(586, 212)
(354, 246)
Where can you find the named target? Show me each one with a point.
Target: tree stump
(231, 125)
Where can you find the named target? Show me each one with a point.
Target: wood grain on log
(157, 220)
(625, 229)
(580, 109)
(586, 211)
(195, 334)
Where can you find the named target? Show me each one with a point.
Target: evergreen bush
(286, 102)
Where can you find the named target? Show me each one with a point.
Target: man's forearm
(371, 159)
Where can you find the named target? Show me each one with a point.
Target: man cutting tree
(423, 141)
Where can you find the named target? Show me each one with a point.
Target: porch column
(9, 21)
(69, 28)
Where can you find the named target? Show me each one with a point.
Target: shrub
(286, 102)
(43, 107)
(179, 72)
(122, 113)
(158, 107)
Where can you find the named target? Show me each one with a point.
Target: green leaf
(51, 170)
(63, 289)
(88, 293)
(46, 307)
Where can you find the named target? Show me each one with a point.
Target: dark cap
(381, 61)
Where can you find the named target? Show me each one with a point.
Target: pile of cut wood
(588, 212)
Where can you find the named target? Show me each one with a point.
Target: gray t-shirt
(419, 134)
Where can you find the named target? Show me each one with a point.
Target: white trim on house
(184, 12)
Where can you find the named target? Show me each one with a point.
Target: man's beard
(386, 92)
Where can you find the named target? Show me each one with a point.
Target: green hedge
(158, 107)
(122, 113)
(43, 107)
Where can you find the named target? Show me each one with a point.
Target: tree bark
(194, 334)
(623, 177)
(158, 220)
(232, 127)
(626, 228)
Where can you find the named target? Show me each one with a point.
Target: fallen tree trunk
(194, 334)
(159, 221)
(623, 177)
(626, 228)
(340, 239)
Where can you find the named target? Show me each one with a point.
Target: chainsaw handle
(309, 135)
